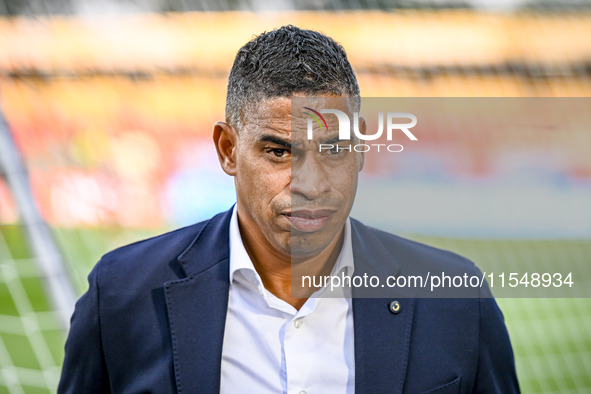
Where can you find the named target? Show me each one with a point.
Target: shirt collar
(240, 260)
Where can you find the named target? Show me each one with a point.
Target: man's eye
(279, 152)
(338, 150)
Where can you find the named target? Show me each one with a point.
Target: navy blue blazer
(152, 321)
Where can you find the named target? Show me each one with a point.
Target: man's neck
(280, 273)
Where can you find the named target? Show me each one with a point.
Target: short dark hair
(285, 61)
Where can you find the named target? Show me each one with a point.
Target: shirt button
(297, 324)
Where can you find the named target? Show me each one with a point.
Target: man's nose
(309, 178)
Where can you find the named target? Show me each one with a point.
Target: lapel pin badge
(394, 307)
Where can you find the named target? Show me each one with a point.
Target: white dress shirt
(270, 347)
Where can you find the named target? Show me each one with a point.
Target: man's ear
(225, 139)
(362, 130)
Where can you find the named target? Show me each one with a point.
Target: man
(215, 307)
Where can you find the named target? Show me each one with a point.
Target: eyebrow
(335, 139)
(275, 140)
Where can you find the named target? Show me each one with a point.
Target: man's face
(298, 197)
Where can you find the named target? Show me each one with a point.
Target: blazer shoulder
(174, 240)
(421, 255)
(154, 255)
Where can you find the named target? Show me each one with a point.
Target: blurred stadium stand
(111, 105)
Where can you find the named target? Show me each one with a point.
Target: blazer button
(394, 307)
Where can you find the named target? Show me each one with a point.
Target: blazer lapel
(197, 308)
(382, 338)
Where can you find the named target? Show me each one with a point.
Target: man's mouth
(309, 221)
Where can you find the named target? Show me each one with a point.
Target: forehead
(284, 115)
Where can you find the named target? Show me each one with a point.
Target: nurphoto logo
(345, 130)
